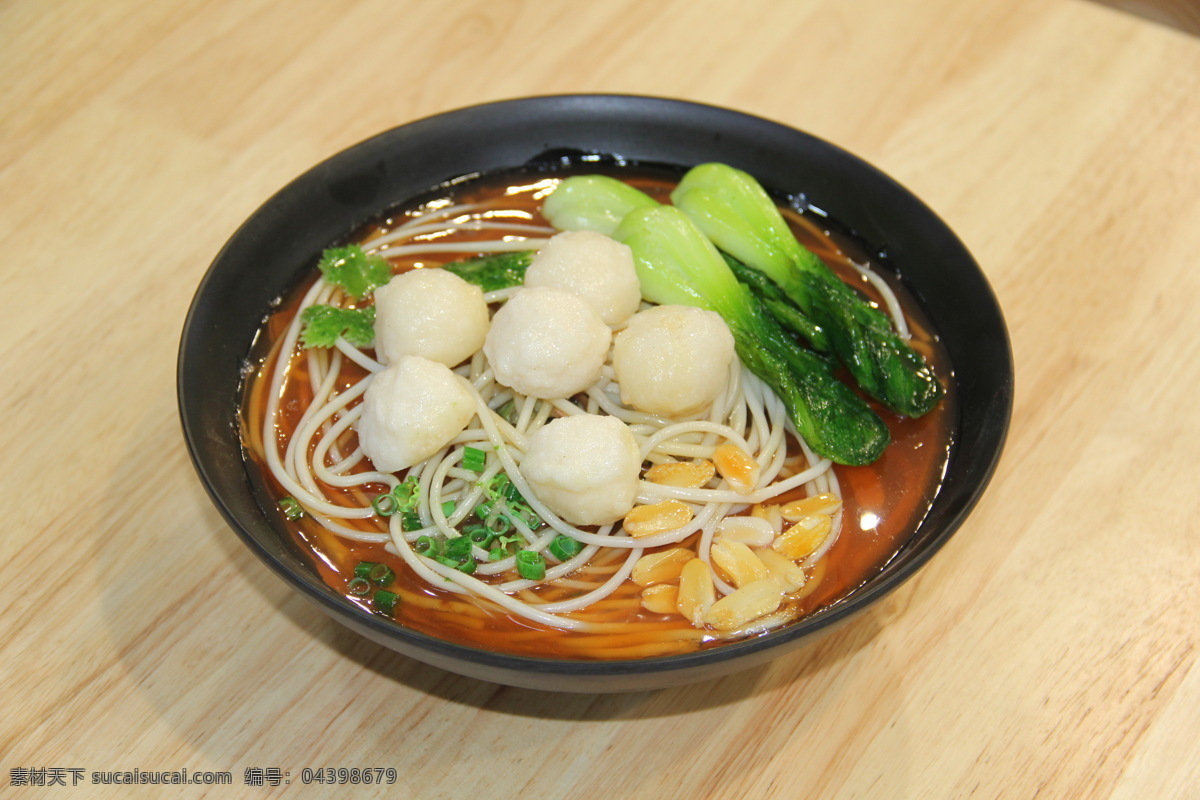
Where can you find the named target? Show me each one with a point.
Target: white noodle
(889, 298)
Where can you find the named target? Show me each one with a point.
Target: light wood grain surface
(1050, 650)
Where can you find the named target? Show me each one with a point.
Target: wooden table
(1049, 651)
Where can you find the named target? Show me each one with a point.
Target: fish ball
(412, 410)
(429, 313)
(585, 467)
(673, 360)
(597, 268)
(547, 343)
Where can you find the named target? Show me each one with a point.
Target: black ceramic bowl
(283, 239)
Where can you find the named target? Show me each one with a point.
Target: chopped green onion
(448, 508)
(527, 515)
(499, 524)
(500, 487)
(530, 565)
(495, 487)
(410, 521)
(374, 572)
(468, 566)
(385, 601)
(426, 545)
(458, 548)
(479, 535)
(358, 586)
(385, 505)
(381, 575)
(290, 507)
(505, 546)
(474, 459)
(564, 547)
(505, 499)
(508, 412)
(404, 497)
(510, 540)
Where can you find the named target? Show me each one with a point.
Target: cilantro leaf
(408, 494)
(324, 324)
(353, 270)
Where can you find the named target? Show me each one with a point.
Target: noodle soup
(730, 493)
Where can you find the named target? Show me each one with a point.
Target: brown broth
(883, 503)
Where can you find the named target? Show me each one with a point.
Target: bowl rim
(197, 426)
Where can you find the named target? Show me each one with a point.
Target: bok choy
(737, 214)
(598, 203)
(594, 203)
(676, 263)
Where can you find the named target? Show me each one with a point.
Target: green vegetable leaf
(494, 270)
(564, 548)
(386, 602)
(474, 459)
(404, 498)
(324, 324)
(593, 202)
(676, 263)
(599, 203)
(353, 270)
(531, 566)
(777, 302)
(738, 215)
